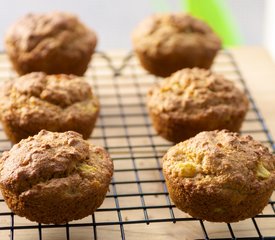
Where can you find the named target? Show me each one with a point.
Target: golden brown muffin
(56, 103)
(220, 176)
(165, 43)
(195, 100)
(55, 177)
(53, 43)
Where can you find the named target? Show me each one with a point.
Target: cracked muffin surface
(195, 100)
(55, 42)
(167, 42)
(220, 176)
(55, 177)
(38, 101)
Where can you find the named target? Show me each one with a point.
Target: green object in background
(215, 12)
(218, 16)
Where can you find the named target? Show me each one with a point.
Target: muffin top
(195, 92)
(41, 32)
(46, 100)
(54, 91)
(51, 160)
(163, 33)
(221, 159)
(61, 90)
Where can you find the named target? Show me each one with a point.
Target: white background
(269, 27)
(114, 20)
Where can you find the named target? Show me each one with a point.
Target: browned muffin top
(53, 159)
(194, 92)
(62, 90)
(164, 32)
(222, 159)
(38, 32)
(50, 97)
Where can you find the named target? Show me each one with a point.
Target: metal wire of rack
(138, 193)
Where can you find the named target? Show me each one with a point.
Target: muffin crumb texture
(55, 177)
(165, 43)
(195, 100)
(220, 176)
(56, 103)
(55, 42)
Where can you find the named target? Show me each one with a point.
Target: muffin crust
(220, 176)
(165, 43)
(55, 42)
(195, 100)
(38, 101)
(55, 177)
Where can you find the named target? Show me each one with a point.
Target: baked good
(56, 103)
(167, 42)
(195, 100)
(220, 176)
(55, 177)
(55, 42)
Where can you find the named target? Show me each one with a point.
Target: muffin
(55, 177)
(220, 176)
(53, 43)
(56, 103)
(165, 43)
(195, 100)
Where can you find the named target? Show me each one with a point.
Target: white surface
(269, 30)
(114, 20)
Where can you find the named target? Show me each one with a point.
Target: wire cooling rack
(138, 195)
